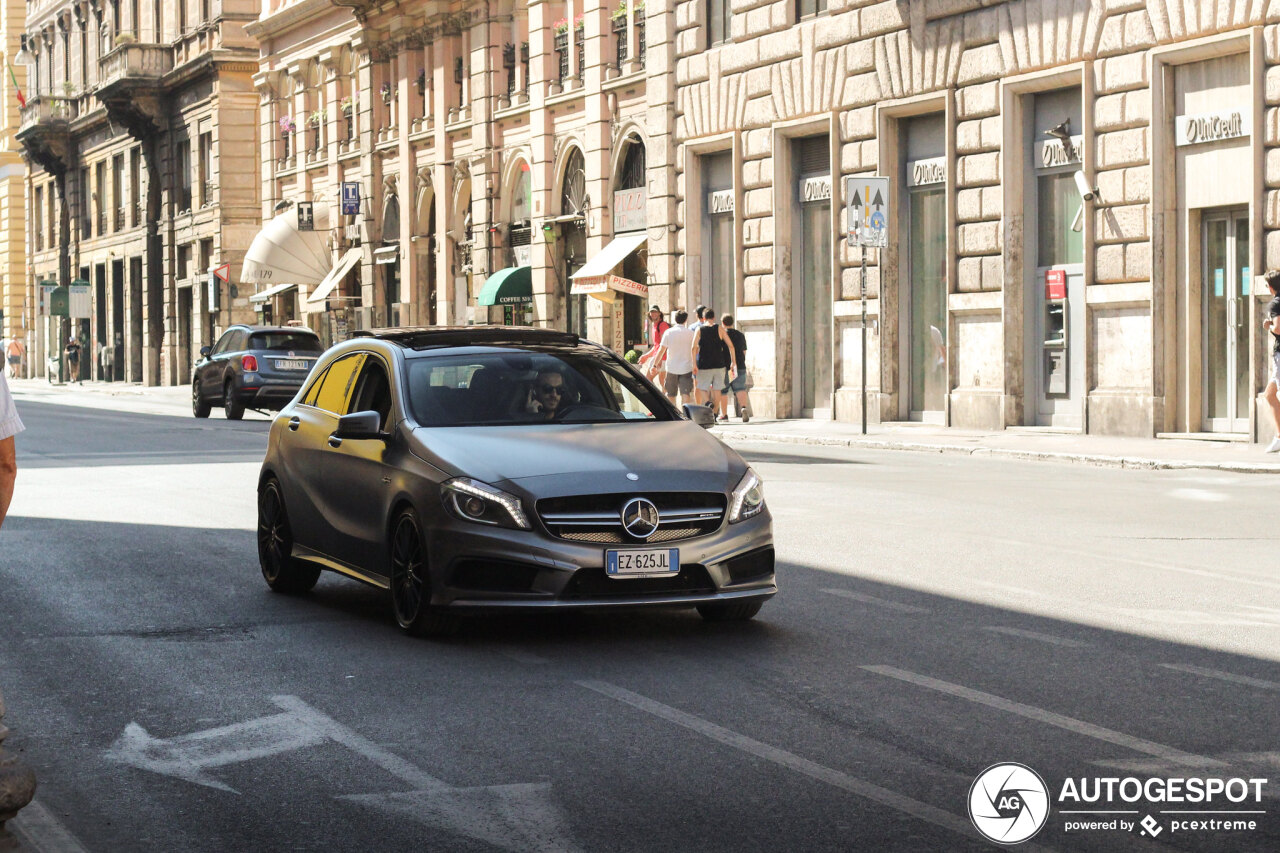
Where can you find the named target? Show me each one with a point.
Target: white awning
(270, 292)
(610, 256)
(386, 255)
(281, 254)
(345, 265)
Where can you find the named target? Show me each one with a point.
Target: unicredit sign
(1212, 127)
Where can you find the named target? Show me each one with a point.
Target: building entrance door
(813, 331)
(1225, 337)
(927, 298)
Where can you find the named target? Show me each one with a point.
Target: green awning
(510, 286)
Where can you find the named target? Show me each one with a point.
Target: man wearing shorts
(713, 357)
(677, 349)
(14, 351)
(1272, 325)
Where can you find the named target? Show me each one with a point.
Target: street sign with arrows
(868, 211)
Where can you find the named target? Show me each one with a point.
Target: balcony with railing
(47, 110)
(134, 63)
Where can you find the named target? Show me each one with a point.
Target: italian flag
(22, 102)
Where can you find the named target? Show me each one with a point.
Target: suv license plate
(291, 364)
(642, 563)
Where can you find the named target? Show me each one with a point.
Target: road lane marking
(521, 656)
(791, 761)
(878, 602)
(1036, 635)
(1068, 723)
(1222, 676)
(39, 831)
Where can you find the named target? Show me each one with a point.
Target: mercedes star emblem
(640, 517)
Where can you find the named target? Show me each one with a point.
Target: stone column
(547, 293)
(17, 784)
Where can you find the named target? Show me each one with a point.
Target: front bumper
(478, 568)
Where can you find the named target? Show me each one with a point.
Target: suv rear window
(284, 341)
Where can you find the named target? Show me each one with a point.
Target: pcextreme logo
(1009, 803)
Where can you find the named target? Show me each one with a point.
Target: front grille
(692, 579)
(598, 518)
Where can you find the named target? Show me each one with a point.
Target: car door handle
(294, 423)
(334, 441)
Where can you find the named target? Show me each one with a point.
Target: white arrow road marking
(520, 817)
(1184, 759)
(791, 761)
(188, 756)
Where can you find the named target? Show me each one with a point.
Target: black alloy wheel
(281, 570)
(410, 583)
(233, 409)
(199, 407)
(739, 611)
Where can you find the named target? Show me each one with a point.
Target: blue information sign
(350, 198)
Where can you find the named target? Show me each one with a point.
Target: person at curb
(713, 357)
(10, 425)
(676, 353)
(1272, 325)
(738, 384)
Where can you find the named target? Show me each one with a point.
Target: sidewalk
(1016, 443)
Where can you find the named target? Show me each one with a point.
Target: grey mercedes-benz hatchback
(489, 467)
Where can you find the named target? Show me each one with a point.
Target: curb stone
(1094, 459)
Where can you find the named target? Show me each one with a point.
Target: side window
(373, 392)
(335, 388)
(314, 391)
(224, 342)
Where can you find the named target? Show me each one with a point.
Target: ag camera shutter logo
(1009, 803)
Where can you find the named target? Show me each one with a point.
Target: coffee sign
(1211, 127)
(932, 170)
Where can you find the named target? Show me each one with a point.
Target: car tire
(282, 572)
(199, 407)
(411, 583)
(739, 611)
(233, 409)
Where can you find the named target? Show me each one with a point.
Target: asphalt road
(938, 615)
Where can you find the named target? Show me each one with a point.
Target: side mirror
(205, 350)
(359, 426)
(700, 415)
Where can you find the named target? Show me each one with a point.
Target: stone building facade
(140, 131)
(481, 145)
(1082, 195)
(13, 295)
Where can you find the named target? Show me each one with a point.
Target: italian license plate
(642, 562)
(292, 364)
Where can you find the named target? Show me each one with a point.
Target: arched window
(573, 198)
(522, 195)
(632, 176)
(391, 219)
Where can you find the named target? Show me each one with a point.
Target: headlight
(472, 500)
(747, 499)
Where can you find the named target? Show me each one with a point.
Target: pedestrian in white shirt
(10, 425)
(677, 348)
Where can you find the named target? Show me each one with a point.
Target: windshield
(501, 388)
(283, 341)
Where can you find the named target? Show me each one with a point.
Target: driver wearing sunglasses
(547, 394)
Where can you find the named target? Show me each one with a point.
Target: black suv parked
(255, 367)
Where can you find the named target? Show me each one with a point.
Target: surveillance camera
(1087, 192)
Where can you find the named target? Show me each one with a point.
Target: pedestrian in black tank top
(713, 357)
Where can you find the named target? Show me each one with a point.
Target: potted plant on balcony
(125, 37)
(317, 120)
(287, 128)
